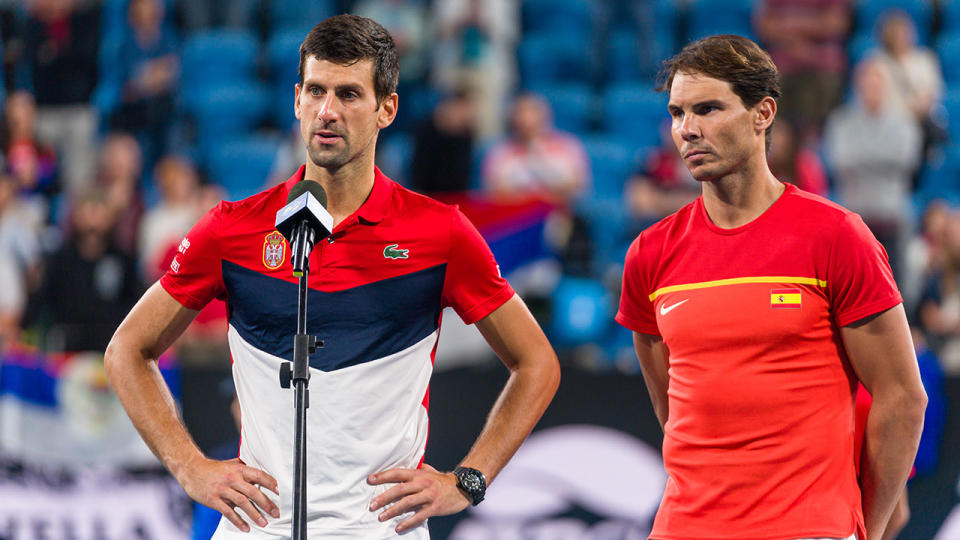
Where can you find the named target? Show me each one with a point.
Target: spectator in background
(148, 67)
(406, 20)
(939, 309)
(166, 223)
(661, 186)
(33, 164)
(806, 39)
(475, 46)
(536, 160)
(61, 40)
(443, 146)
(19, 257)
(873, 148)
(89, 285)
(915, 75)
(792, 161)
(118, 175)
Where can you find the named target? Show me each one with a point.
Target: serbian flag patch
(785, 298)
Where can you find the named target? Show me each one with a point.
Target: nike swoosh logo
(664, 309)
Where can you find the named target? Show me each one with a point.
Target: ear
(296, 100)
(387, 111)
(765, 110)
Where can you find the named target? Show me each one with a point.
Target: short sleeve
(636, 309)
(859, 281)
(195, 276)
(473, 286)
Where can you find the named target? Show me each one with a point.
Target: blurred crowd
(125, 120)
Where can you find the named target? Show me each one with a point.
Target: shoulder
(261, 205)
(818, 216)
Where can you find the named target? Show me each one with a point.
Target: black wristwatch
(472, 482)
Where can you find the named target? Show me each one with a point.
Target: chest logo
(273, 249)
(664, 309)
(785, 298)
(393, 252)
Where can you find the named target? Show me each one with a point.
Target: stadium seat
(395, 157)
(559, 16)
(547, 58)
(612, 161)
(229, 110)
(241, 165)
(299, 13)
(948, 48)
(940, 180)
(860, 46)
(283, 55)
(581, 312)
(572, 105)
(211, 57)
(634, 112)
(720, 17)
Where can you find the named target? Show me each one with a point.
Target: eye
(705, 109)
(315, 91)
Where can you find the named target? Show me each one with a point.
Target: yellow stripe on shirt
(785, 280)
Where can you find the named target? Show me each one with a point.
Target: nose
(687, 127)
(327, 112)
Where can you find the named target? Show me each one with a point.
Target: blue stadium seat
(948, 48)
(299, 13)
(572, 105)
(395, 156)
(612, 161)
(720, 17)
(229, 111)
(608, 225)
(626, 60)
(869, 15)
(241, 165)
(861, 45)
(940, 180)
(634, 112)
(582, 310)
(283, 55)
(546, 58)
(559, 16)
(211, 57)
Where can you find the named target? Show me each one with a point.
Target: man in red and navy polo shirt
(377, 288)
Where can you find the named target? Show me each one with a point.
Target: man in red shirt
(755, 310)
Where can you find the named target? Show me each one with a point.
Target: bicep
(513, 333)
(154, 323)
(881, 352)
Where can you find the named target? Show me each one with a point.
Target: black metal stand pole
(303, 346)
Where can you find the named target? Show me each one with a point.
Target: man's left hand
(425, 491)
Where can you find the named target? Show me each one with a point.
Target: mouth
(694, 154)
(326, 137)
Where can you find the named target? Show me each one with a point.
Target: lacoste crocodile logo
(392, 252)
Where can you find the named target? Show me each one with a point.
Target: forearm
(520, 405)
(150, 406)
(892, 435)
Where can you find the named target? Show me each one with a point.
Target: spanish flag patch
(785, 298)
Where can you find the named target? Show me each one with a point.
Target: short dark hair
(734, 59)
(348, 39)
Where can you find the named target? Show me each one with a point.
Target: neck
(741, 197)
(347, 187)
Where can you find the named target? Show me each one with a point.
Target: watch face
(471, 482)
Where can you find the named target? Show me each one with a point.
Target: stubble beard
(328, 158)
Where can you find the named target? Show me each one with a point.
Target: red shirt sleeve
(636, 309)
(473, 286)
(195, 276)
(859, 281)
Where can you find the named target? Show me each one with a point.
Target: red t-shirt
(759, 438)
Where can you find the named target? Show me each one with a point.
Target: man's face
(338, 111)
(714, 132)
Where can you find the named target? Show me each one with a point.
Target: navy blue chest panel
(357, 325)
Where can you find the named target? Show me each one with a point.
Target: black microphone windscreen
(304, 186)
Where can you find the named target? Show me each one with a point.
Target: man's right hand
(227, 486)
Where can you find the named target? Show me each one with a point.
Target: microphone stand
(303, 346)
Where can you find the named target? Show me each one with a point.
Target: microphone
(303, 221)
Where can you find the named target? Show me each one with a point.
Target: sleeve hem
(844, 319)
(637, 325)
(488, 306)
(179, 295)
